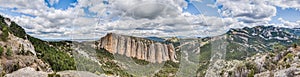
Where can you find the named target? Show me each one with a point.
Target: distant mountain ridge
(259, 39)
(264, 34)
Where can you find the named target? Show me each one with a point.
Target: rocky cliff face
(139, 48)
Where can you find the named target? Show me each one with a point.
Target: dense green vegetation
(169, 67)
(140, 62)
(109, 66)
(4, 34)
(103, 54)
(17, 30)
(58, 60)
(62, 45)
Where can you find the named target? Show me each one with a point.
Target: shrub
(289, 56)
(294, 45)
(1, 51)
(287, 65)
(8, 52)
(5, 34)
(53, 75)
(252, 66)
(251, 73)
(22, 51)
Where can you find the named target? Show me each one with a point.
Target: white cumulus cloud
(140, 17)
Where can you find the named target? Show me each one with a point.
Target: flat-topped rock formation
(137, 47)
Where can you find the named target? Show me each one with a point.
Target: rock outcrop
(19, 53)
(31, 72)
(136, 47)
(260, 65)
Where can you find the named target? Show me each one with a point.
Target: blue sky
(60, 16)
(9, 11)
(195, 7)
(62, 4)
(289, 14)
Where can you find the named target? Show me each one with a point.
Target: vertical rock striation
(136, 47)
